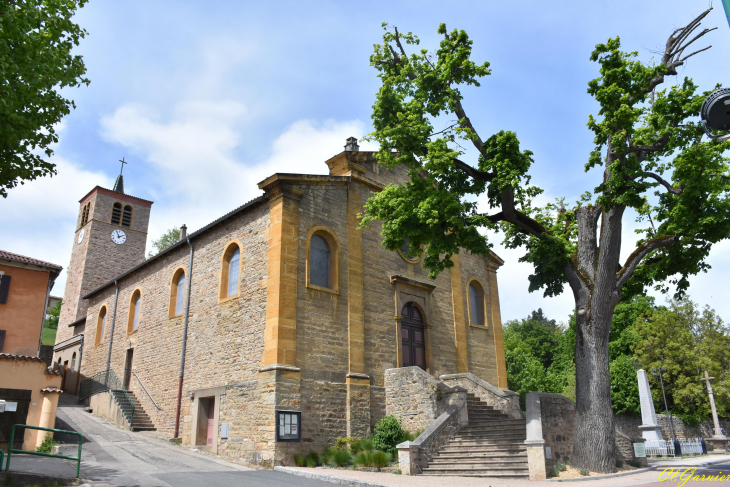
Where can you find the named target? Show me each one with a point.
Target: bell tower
(110, 239)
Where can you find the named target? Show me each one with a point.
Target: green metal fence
(12, 450)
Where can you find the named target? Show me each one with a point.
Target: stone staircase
(141, 420)
(492, 445)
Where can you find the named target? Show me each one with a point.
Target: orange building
(28, 388)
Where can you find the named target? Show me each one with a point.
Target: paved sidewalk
(648, 479)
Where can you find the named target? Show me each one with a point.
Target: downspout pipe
(184, 343)
(111, 337)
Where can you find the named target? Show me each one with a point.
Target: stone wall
(706, 429)
(502, 399)
(417, 399)
(414, 456)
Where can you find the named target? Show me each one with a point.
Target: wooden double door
(413, 337)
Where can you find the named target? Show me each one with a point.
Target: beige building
(287, 313)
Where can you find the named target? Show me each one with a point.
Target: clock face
(81, 235)
(119, 237)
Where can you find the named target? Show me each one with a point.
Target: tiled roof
(52, 390)
(4, 254)
(26, 358)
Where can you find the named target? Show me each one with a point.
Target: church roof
(119, 185)
(179, 244)
(115, 194)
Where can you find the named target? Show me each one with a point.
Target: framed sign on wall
(288, 426)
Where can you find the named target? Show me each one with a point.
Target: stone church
(268, 331)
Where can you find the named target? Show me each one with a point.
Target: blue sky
(205, 99)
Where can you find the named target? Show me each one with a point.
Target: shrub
(341, 457)
(560, 467)
(634, 463)
(299, 460)
(364, 459)
(584, 472)
(363, 444)
(553, 472)
(380, 459)
(388, 433)
(343, 443)
(619, 463)
(312, 460)
(47, 444)
(567, 460)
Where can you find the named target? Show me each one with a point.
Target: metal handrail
(145, 389)
(12, 450)
(446, 423)
(108, 381)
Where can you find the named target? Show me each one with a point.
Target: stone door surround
(211, 392)
(409, 290)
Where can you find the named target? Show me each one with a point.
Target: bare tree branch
(638, 255)
(474, 173)
(664, 183)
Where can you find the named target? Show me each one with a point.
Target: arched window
(135, 304)
(73, 361)
(127, 216)
(230, 271)
(319, 258)
(85, 214)
(100, 325)
(116, 213)
(407, 252)
(177, 293)
(476, 304)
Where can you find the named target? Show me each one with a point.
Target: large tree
(647, 140)
(36, 40)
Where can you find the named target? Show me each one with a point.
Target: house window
(85, 214)
(134, 311)
(476, 303)
(4, 288)
(230, 271)
(116, 213)
(319, 255)
(73, 361)
(177, 293)
(288, 426)
(100, 325)
(127, 216)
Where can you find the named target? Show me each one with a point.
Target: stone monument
(650, 430)
(718, 440)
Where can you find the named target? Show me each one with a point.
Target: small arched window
(319, 258)
(116, 213)
(230, 271)
(135, 304)
(85, 214)
(127, 216)
(100, 325)
(73, 361)
(476, 303)
(177, 293)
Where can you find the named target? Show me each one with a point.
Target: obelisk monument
(650, 430)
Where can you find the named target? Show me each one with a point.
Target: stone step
(491, 454)
(485, 442)
(493, 430)
(478, 472)
(495, 425)
(491, 437)
(478, 462)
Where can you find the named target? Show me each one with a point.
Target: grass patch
(49, 336)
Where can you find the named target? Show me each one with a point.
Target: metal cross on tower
(707, 379)
(123, 163)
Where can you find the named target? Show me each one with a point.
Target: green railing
(12, 450)
(108, 381)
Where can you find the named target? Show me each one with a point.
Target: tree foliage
(167, 240)
(36, 40)
(55, 312)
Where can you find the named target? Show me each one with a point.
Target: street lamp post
(677, 448)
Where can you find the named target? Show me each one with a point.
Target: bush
(364, 459)
(380, 459)
(47, 444)
(634, 463)
(341, 457)
(560, 467)
(313, 460)
(329, 455)
(363, 444)
(388, 433)
(619, 463)
(343, 443)
(553, 472)
(299, 460)
(584, 472)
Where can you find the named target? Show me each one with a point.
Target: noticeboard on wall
(288, 426)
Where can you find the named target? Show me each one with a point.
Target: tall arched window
(100, 325)
(476, 304)
(230, 271)
(85, 214)
(127, 216)
(135, 304)
(73, 361)
(116, 213)
(319, 258)
(180, 294)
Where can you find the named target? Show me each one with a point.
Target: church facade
(286, 315)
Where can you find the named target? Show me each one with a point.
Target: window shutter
(4, 288)
(2, 340)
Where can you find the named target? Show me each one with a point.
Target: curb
(328, 478)
(713, 462)
(600, 477)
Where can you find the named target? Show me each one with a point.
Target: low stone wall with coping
(502, 399)
(414, 456)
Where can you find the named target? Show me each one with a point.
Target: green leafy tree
(167, 240)
(36, 40)
(624, 386)
(647, 141)
(686, 341)
(55, 312)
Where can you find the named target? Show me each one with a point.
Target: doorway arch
(413, 336)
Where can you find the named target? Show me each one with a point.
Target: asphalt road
(113, 456)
